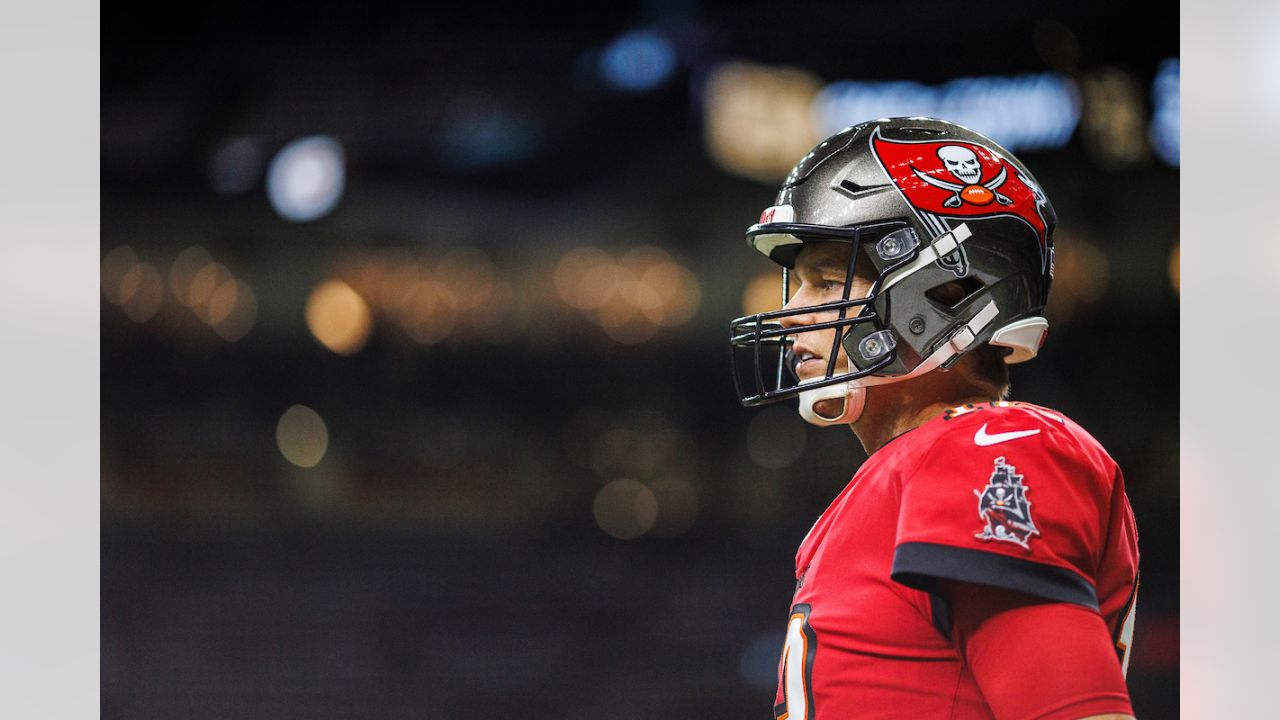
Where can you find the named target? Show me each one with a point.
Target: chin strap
(853, 398)
(854, 392)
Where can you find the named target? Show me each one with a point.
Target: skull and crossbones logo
(961, 162)
(964, 165)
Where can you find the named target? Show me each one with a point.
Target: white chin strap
(854, 398)
(854, 392)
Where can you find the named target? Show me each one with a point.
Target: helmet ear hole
(952, 294)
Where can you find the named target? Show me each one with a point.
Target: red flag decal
(961, 179)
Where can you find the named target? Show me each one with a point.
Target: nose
(799, 301)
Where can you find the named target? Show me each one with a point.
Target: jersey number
(1124, 638)
(796, 668)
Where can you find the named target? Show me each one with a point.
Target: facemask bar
(764, 332)
(783, 345)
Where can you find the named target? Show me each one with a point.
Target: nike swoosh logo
(983, 439)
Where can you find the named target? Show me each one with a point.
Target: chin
(830, 408)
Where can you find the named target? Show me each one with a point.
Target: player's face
(819, 278)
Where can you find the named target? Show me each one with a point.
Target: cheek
(822, 340)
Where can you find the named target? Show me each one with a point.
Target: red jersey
(1004, 494)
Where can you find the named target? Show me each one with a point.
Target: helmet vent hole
(854, 187)
(954, 293)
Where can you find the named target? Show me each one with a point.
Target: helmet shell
(933, 176)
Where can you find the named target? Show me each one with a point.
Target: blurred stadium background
(415, 385)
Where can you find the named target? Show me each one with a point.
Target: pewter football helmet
(928, 203)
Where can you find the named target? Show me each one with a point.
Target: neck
(900, 408)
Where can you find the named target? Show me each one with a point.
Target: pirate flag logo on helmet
(961, 179)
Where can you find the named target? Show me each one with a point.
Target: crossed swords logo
(963, 164)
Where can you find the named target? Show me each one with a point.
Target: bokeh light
(758, 119)
(625, 509)
(630, 298)
(306, 178)
(302, 436)
(666, 292)
(141, 292)
(236, 165)
(573, 268)
(480, 130)
(1166, 118)
(620, 297)
(1113, 127)
(680, 292)
(456, 296)
(1048, 106)
(597, 285)
(338, 317)
(468, 273)
(222, 301)
(776, 437)
(240, 317)
(428, 312)
(115, 265)
(183, 271)
(637, 61)
(643, 442)
(763, 293)
(399, 274)
(1080, 278)
(364, 273)
(203, 283)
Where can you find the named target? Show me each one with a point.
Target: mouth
(808, 364)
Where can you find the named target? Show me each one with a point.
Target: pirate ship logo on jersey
(958, 179)
(1004, 507)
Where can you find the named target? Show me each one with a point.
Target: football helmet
(926, 202)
